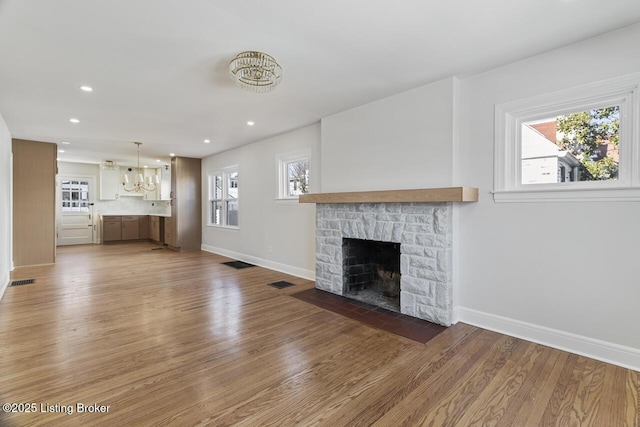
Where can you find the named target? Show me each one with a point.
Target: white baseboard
(272, 265)
(4, 283)
(616, 354)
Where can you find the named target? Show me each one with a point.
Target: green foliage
(585, 133)
(603, 169)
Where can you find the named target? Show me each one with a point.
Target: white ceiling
(159, 67)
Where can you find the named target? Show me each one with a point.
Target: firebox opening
(371, 272)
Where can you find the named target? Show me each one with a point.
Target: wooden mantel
(448, 194)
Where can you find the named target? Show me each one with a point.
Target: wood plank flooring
(167, 338)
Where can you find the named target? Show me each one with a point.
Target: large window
(293, 174)
(578, 144)
(223, 198)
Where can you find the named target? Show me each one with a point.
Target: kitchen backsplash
(132, 206)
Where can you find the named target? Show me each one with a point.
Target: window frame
(224, 175)
(509, 118)
(282, 175)
(84, 205)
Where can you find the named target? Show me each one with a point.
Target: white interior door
(75, 210)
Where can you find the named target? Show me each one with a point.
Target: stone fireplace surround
(419, 219)
(424, 231)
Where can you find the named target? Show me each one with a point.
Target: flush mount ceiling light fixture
(255, 71)
(139, 184)
(109, 165)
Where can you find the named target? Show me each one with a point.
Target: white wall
(400, 142)
(566, 274)
(6, 206)
(285, 227)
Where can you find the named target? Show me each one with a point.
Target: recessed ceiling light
(250, 123)
(60, 151)
(145, 166)
(74, 120)
(158, 160)
(172, 154)
(206, 141)
(86, 88)
(65, 142)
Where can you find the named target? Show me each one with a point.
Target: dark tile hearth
(238, 264)
(387, 320)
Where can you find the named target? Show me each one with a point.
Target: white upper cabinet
(109, 184)
(165, 183)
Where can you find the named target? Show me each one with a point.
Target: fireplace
(420, 221)
(372, 272)
(422, 232)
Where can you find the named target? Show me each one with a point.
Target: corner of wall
(6, 201)
(4, 284)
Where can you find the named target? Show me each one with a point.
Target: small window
(75, 196)
(580, 146)
(576, 144)
(223, 198)
(293, 174)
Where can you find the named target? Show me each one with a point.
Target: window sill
(621, 194)
(287, 200)
(224, 227)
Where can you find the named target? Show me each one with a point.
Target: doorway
(75, 216)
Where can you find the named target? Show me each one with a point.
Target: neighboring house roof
(536, 145)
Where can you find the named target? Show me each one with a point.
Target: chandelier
(139, 184)
(255, 71)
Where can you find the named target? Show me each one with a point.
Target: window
(223, 198)
(75, 196)
(293, 174)
(577, 144)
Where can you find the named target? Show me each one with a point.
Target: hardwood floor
(167, 338)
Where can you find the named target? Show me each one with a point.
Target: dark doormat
(281, 285)
(381, 318)
(238, 264)
(22, 282)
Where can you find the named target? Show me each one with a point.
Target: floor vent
(281, 284)
(22, 282)
(238, 264)
(156, 249)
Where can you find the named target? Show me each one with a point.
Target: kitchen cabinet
(130, 227)
(168, 232)
(111, 228)
(143, 226)
(186, 204)
(165, 183)
(155, 229)
(116, 228)
(109, 183)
